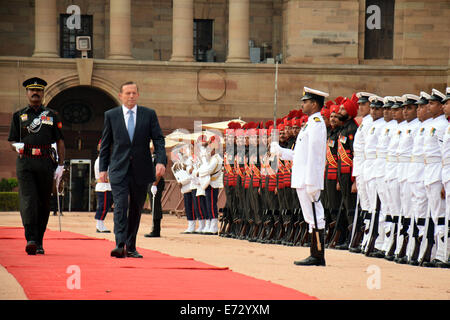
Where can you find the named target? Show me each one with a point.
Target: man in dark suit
(125, 149)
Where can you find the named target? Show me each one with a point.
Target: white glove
(275, 148)
(58, 173)
(19, 146)
(313, 193)
(153, 190)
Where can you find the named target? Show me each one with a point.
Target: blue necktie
(131, 124)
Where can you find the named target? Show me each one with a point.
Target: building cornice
(307, 69)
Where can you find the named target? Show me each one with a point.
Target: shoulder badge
(432, 131)
(316, 119)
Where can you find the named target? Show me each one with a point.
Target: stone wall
(184, 92)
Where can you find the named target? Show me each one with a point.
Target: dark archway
(82, 111)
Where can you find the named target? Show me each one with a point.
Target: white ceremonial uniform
(404, 153)
(309, 156)
(433, 180)
(358, 161)
(446, 181)
(419, 199)
(369, 168)
(213, 168)
(386, 134)
(391, 179)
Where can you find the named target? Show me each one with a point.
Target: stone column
(120, 29)
(238, 31)
(183, 30)
(45, 18)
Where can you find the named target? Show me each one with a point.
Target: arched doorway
(82, 110)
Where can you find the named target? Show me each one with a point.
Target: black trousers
(158, 206)
(129, 198)
(333, 196)
(35, 178)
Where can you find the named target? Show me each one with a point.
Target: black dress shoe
(119, 252)
(40, 249)
(134, 254)
(429, 264)
(441, 264)
(355, 250)
(311, 261)
(103, 231)
(413, 262)
(152, 234)
(377, 254)
(390, 258)
(31, 247)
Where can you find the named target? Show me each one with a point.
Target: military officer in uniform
(433, 182)
(446, 181)
(309, 156)
(404, 153)
(416, 180)
(33, 130)
(358, 164)
(371, 172)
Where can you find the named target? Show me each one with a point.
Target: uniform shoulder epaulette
(316, 119)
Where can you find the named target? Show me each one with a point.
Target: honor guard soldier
(229, 178)
(214, 170)
(371, 170)
(416, 169)
(433, 183)
(381, 187)
(357, 173)
(446, 180)
(333, 195)
(33, 130)
(391, 179)
(309, 156)
(347, 112)
(404, 153)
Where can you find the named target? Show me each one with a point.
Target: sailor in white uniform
(358, 163)
(434, 137)
(309, 156)
(404, 153)
(445, 263)
(416, 168)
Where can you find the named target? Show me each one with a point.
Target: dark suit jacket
(119, 153)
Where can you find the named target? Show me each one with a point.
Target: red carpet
(157, 276)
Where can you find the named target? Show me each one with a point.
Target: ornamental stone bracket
(84, 68)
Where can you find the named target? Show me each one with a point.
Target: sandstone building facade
(389, 47)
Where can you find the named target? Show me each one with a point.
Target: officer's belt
(370, 156)
(403, 159)
(37, 151)
(418, 159)
(445, 162)
(432, 160)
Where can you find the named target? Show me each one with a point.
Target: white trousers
(362, 192)
(307, 209)
(419, 204)
(393, 208)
